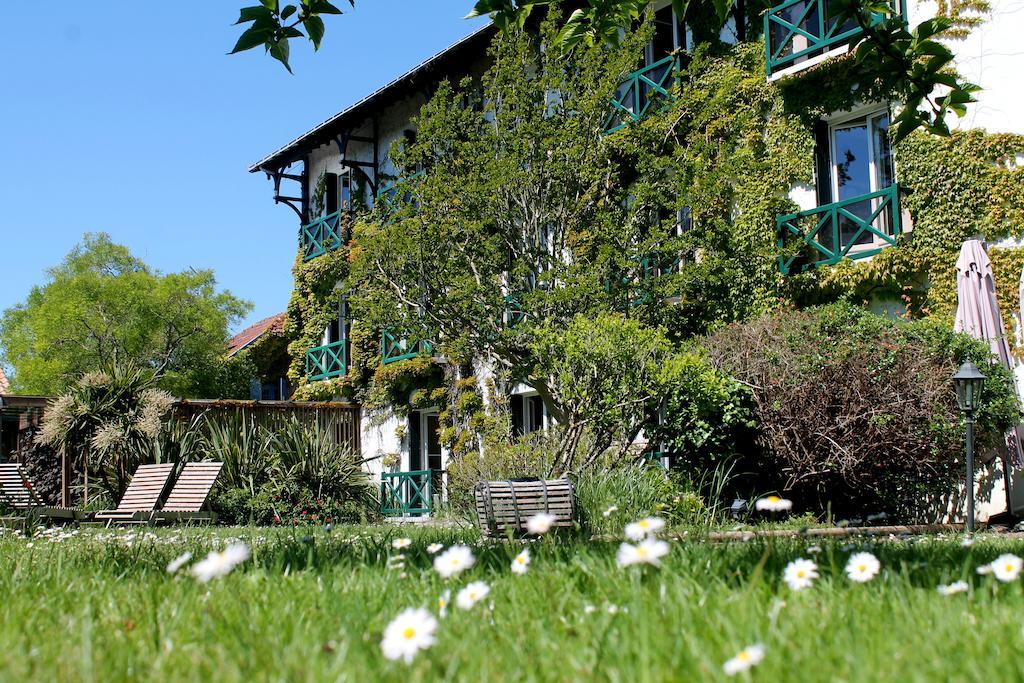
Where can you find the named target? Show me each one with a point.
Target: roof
(445, 60)
(4, 384)
(273, 325)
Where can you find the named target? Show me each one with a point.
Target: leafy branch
(270, 29)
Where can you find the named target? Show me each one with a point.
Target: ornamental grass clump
(107, 424)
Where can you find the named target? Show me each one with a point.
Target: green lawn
(100, 606)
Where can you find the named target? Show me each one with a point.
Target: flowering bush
(857, 412)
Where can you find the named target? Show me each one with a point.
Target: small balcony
(646, 90)
(512, 311)
(394, 349)
(324, 235)
(854, 228)
(407, 494)
(799, 33)
(392, 196)
(325, 362)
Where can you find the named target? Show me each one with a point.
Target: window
(528, 413)
(534, 413)
(337, 329)
(855, 159)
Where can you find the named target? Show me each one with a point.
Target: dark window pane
(663, 42)
(330, 193)
(852, 160)
(433, 436)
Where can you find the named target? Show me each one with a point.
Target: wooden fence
(341, 420)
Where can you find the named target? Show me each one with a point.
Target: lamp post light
(969, 382)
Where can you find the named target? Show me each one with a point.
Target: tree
(103, 307)
(915, 67)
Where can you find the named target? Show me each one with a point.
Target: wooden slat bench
(190, 493)
(507, 505)
(17, 491)
(142, 496)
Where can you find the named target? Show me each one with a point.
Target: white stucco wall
(992, 56)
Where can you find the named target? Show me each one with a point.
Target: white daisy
(1007, 567)
(401, 543)
(456, 559)
(442, 602)
(540, 523)
(800, 574)
(612, 509)
(747, 658)
(773, 504)
(953, 588)
(521, 563)
(985, 568)
(220, 564)
(862, 567)
(178, 562)
(644, 527)
(411, 631)
(472, 594)
(648, 551)
(434, 548)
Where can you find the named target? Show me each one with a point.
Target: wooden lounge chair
(17, 491)
(141, 498)
(190, 493)
(504, 506)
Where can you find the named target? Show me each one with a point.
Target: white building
(348, 153)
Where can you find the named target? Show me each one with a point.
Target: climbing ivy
(729, 148)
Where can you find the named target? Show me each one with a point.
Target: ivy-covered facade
(784, 187)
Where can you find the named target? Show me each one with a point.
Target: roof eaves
(272, 161)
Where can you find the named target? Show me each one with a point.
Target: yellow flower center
(521, 560)
(773, 499)
(642, 552)
(409, 633)
(861, 568)
(1009, 568)
(743, 656)
(799, 573)
(644, 524)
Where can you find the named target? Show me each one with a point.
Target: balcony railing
(392, 196)
(394, 348)
(324, 235)
(644, 90)
(853, 228)
(513, 312)
(324, 362)
(798, 30)
(406, 494)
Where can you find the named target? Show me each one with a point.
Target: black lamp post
(969, 382)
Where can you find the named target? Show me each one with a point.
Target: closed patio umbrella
(977, 314)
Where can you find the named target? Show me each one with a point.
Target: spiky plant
(106, 423)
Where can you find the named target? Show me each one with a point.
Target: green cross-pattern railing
(406, 493)
(394, 348)
(392, 196)
(324, 362)
(646, 89)
(513, 313)
(323, 235)
(851, 228)
(802, 28)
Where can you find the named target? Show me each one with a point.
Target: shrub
(707, 418)
(856, 411)
(291, 473)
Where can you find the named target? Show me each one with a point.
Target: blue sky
(129, 118)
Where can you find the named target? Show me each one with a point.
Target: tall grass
(311, 606)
